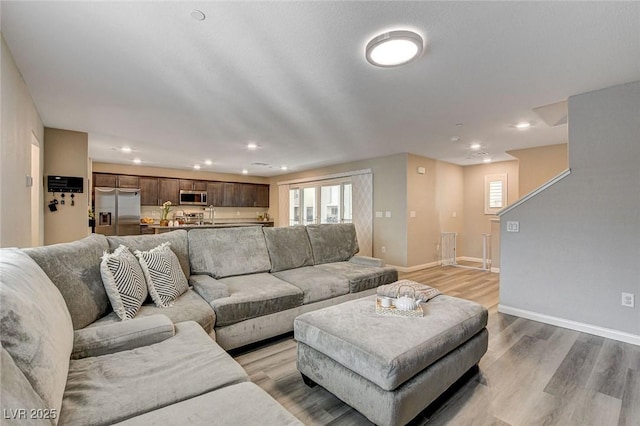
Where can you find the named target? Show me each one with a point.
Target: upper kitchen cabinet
(149, 191)
(104, 180)
(126, 181)
(221, 194)
(229, 194)
(169, 190)
(262, 195)
(193, 185)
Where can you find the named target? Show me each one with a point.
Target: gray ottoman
(390, 368)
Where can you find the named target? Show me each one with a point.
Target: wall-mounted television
(65, 184)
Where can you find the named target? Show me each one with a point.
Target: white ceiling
(292, 76)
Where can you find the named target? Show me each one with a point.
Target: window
(495, 193)
(326, 202)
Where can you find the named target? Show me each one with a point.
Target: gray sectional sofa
(68, 359)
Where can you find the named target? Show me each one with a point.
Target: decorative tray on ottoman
(393, 311)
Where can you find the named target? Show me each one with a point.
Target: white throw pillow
(124, 282)
(163, 273)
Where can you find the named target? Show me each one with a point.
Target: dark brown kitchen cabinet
(126, 181)
(229, 194)
(262, 195)
(169, 190)
(252, 195)
(245, 195)
(148, 191)
(215, 194)
(199, 185)
(222, 194)
(193, 185)
(104, 180)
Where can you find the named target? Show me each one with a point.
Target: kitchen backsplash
(234, 213)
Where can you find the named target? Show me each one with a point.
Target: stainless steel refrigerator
(117, 211)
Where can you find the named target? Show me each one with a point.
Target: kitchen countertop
(157, 228)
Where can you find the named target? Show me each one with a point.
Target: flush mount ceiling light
(137, 160)
(196, 166)
(475, 146)
(523, 125)
(394, 48)
(208, 162)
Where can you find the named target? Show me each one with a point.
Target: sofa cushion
(361, 277)
(225, 252)
(115, 387)
(124, 282)
(161, 269)
(288, 247)
(187, 307)
(316, 284)
(75, 269)
(121, 336)
(253, 296)
(253, 406)
(177, 238)
(35, 326)
(17, 393)
(334, 242)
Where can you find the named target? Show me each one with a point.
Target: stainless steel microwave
(197, 198)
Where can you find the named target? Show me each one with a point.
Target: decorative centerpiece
(166, 206)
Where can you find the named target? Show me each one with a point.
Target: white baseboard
(470, 259)
(416, 267)
(572, 325)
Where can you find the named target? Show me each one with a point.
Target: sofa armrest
(367, 261)
(208, 288)
(121, 336)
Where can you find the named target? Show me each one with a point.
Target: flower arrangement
(166, 206)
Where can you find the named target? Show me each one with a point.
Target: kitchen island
(157, 229)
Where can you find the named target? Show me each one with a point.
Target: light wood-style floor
(532, 373)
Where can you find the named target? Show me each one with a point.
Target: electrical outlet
(628, 300)
(513, 226)
(383, 249)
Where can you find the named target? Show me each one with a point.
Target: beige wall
(21, 125)
(539, 165)
(476, 222)
(423, 230)
(450, 197)
(389, 194)
(66, 155)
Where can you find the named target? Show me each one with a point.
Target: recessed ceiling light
(455, 138)
(208, 162)
(283, 168)
(523, 125)
(394, 48)
(198, 15)
(252, 146)
(125, 149)
(245, 171)
(486, 160)
(137, 160)
(475, 146)
(196, 166)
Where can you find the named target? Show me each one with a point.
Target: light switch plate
(378, 214)
(513, 226)
(387, 214)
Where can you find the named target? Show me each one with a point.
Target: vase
(164, 222)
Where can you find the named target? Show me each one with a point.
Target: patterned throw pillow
(165, 278)
(124, 282)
